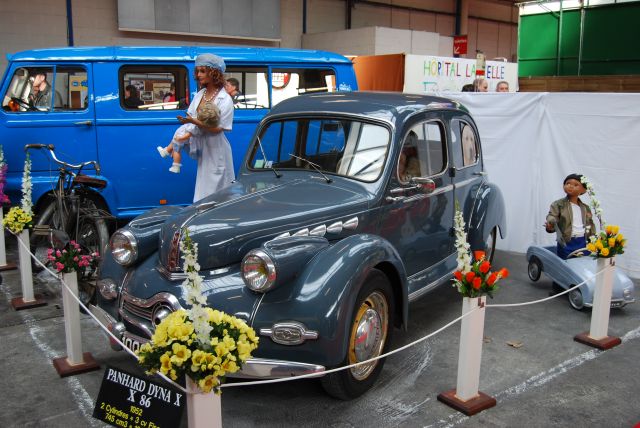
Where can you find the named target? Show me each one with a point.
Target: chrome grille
(147, 308)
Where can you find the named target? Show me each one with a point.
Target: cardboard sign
(460, 44)
(127, 400)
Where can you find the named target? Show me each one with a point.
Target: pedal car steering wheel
(577, 253)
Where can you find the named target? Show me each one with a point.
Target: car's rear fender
(488, 212)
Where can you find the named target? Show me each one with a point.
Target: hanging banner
(425, 74)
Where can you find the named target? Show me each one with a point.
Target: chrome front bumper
(254, 368)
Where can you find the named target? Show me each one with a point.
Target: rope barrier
(102, 326)
(337, 369)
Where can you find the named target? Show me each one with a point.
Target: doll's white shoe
(162, 151)
(175, 168)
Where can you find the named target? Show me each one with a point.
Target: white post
(203, 410)
(25, 266)
(72, 318)
(3, 254)
(602, 298)
(471, 335)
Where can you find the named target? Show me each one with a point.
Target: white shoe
(162, 151)
(175, 168)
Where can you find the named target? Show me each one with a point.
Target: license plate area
(132, 341)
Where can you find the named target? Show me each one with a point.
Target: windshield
(346, 147)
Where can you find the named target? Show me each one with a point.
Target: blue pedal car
(573, 271)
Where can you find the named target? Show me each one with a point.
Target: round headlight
(108, 288)
(258, 271)
(124, 247)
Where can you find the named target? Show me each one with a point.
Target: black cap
(577, 177)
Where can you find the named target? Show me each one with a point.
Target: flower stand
(28, 299)
(466, 398)
(597, 335)
(203, 410)
(75, 362)
(3, 254)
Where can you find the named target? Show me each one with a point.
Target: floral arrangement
(21, 217)
(609, 242)
(473, 279)
(200, 342)
(70, 259)
(4, 199)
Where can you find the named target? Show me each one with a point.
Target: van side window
(154, 87)
(253, 92)
(289, 82)
(39, 89)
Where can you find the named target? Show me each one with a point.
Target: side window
(247, 87)
(423, 152)
(464, 137)
(40, 89)
(289, 82)
(154, 87)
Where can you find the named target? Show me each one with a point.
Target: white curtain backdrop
(532, 141)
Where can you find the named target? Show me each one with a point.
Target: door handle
(84, 122)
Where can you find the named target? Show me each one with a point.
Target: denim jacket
(561, 215)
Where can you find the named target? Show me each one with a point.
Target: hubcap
(534, 272)
(368, 334)
(575, 297)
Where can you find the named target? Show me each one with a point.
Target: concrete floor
(549, 381)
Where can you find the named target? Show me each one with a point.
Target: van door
(46, 103)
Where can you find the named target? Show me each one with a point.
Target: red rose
(477, 282)
(492, 278)
(479, 255)
(469, 277)
(504, 273)
(458, 275)
(485, 266)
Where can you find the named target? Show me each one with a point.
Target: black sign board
(128, 400)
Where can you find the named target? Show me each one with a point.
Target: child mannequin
(570, 218)
(208, 114)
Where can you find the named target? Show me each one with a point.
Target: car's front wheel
(575, 299)
(369, 336)
(534, 270)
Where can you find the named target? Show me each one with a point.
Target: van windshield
(346, 147)
(41, 89)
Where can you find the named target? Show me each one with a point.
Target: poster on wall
(139, 84)
(160, 90)
(426, 74)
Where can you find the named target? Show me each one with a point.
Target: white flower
(193, 288)
(595, 204)
(462, 246)
(27, 205)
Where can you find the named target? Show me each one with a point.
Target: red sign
(460, 45)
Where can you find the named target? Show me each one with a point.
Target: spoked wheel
(575, 299)
(92, 236)
(369, 336)
(534, 270)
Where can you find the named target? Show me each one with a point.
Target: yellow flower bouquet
(202, 343)
(17, 219)
(608, 243)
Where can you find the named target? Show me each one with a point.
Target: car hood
(244, 215)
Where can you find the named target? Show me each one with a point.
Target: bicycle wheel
(52, 218)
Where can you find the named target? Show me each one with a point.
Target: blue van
(86, 110)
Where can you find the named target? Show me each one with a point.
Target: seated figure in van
(209, 115)
(40, 96)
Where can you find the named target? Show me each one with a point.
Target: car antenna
(313, 165)
(264, 157)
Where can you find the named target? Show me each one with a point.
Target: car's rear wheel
(370, 333)
(534, 270)
(490, 245)
(575, 299)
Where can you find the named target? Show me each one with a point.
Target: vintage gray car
(341, 215)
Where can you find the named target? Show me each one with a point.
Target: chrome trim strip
(262, 368)
(146, 303)
(467, 181)
(171, 276)
(419, 293)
